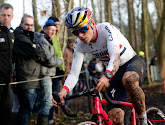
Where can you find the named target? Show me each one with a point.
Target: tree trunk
(93, 12)
(119, 14)
(80, 3)
(131, 38)
(56, 8)
(161, 43)
(36, 26)
(134, 28)
(110, 19)
(108, 11)
(56, 11)
(159, 9)
(100, 10)
(68, 7)
(139, 25)
(144, 14)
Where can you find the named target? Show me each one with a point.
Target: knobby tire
(156, 116)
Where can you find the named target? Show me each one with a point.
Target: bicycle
(100, 117)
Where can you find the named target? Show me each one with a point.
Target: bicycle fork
(101, 114)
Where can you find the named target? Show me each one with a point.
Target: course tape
(13, 83)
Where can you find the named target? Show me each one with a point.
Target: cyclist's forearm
(114, 63)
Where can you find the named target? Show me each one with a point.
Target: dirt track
(155, 96)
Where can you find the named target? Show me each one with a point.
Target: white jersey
(109, 42)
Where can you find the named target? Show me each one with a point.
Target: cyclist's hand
(103, 84)
(62, 94)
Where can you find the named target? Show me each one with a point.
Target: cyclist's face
(84, 32)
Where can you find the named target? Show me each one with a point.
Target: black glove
(59, 72)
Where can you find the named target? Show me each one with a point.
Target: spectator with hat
(142, 55)
(60, 70)
(45, 40)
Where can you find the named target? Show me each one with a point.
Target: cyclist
(124, 68)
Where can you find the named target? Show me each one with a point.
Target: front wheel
(87, 123)
(155, 116)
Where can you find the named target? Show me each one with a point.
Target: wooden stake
(164, 80)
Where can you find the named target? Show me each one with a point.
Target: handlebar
(64, 109)
(105, 95)
(87, 92)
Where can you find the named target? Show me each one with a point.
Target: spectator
(68, 54)
(92, 71)
(99, 69)
(6, 45)
(154, 70)
(45, 40)
(154, 60)
(68, 57)
(81, 81)
(26, 53)
(60, 70)
(142, 55)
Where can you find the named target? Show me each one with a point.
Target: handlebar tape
(64, 109)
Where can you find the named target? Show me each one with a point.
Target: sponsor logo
(110, 34)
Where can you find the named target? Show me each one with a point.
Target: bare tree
(68, 6)
(131, 35)
(108, 11)
(145, 29)
(93, 12)
(156, 30)
(161, 43)
(56, 8)
(134, 27)
(100, 10)
(80, 3)
(56, 11)
(119, 13)
(37, 26)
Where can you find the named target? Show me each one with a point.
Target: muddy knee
(117, 116)
(130, 79)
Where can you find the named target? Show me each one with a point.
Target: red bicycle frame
(98, 110)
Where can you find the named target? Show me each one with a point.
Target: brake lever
(100, 96)
(66, 111)
(95, 84)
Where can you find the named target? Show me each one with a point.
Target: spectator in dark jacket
(45, 41)
(60, 70)
(92, 70)
(26, 53)
(154, 61)
(6, 45)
